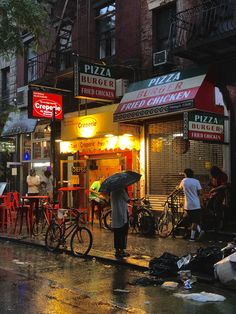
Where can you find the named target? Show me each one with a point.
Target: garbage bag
(203, 261)
(164, 266)
(145, 281)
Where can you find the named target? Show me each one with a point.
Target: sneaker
(117, 253)
(201, 235)
(191, 240)
(124, 254)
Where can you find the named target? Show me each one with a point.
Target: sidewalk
(141, 249)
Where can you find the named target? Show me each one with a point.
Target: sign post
(53, 155)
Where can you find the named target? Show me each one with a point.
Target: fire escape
(51, 64)
(205, 32)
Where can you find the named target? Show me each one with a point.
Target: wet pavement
(34, 281)
(142, 249)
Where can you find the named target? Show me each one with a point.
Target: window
(162, 23)
(31, 63)
(105, 19)
(64, 47)
(5, 83)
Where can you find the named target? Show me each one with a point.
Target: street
(34, 281)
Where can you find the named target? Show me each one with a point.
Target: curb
(103, 259)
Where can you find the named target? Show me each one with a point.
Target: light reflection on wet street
(34, 281)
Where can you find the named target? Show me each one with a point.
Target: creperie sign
(44, 103)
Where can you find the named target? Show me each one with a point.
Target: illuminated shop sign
(203, 126)
(43, 104)
(93, 81)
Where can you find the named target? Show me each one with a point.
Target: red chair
(6, 212)
(23, 213)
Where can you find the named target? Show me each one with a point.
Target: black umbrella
(119, 180)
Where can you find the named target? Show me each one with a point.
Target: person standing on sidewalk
(96, 199)
(33, 181)
(192, 190)
(120, 224)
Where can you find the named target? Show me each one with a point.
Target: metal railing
(48, 64)
(213, 19)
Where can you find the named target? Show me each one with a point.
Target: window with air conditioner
(161, 31)
(105, 29)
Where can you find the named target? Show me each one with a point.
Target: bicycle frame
(71, 228)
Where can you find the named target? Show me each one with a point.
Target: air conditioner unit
(161, 57)
(22, 96)
(121, 87)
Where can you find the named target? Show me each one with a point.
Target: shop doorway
(73, 174)
(104, 167)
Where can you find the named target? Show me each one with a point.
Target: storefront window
(168, 154)
(37, 150)
(41, 149)
(26, 147)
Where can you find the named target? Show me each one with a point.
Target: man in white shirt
(33, 181)
(192, 189)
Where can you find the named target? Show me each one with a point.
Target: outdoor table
(69, 189)
(34, 204)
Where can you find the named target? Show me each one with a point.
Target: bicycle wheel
(38, 227)
(81, 241)
(107, 220)
(53, 237)
(165, 224)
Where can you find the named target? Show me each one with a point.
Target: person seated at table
(96, 199)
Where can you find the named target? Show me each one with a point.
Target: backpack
(147, 225)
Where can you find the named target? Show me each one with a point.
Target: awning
(173, 92)
(18, 123)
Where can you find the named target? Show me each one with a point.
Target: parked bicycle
(81, 238)
(172, 214)
(140, 216)
(43, 221)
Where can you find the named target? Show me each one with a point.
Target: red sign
(44, 103)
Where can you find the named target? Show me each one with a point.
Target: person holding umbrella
(116, 185)
(120, 225)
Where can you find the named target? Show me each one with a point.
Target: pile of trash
(212, 262)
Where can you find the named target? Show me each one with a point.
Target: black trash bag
(147, 225)
(145, 282)
(203, 261)
(164, 266)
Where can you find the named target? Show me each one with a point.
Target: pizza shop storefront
(184, 126)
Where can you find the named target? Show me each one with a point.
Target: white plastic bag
(201, 297)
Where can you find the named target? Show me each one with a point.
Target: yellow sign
(88, 126)
(96, 145)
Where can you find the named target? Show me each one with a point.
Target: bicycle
(139, 209)
(40, 224)
(57, 233)
(172, 214)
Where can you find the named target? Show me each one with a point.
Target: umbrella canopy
(119, 180)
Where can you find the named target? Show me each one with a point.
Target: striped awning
(173, 92)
